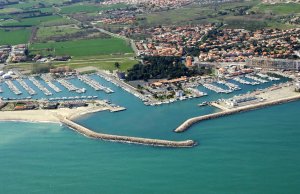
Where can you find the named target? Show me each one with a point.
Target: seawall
(126, 139)
(188, 123)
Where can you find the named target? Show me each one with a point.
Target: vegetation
(89, 47)
(278, 8)
(14, 36)
(158, 68)
(87, 8)
(29, 21)
(41, 68)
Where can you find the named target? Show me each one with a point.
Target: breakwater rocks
(126, 139)
(188, 123)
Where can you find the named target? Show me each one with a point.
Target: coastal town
(210, 64)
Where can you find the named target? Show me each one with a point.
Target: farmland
(90, 47)
(88, 8)
(29, 21)
(280, 9)
(48, 32)
(17, 36)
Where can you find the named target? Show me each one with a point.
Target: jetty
(125, 139)
(268, 102)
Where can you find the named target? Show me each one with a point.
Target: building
(188, 61)
(297, 86)
(282, 64)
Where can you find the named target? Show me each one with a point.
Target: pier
(188, 123)
(26, 87)
(94, 84)
(40, 86)
(54, 87)
(13, 87)
(125, 139)
(67, 85)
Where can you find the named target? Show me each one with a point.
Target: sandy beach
(47, 115)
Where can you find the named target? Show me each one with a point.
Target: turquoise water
(252, 152)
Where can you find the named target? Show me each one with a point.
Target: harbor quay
(258, 99)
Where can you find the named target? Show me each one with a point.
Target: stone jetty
(188, 123)
(125, 139)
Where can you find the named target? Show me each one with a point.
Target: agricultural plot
(11, 37)
(45, 33)
(29, 21)
(90, 47)
(280, 9)
(88, 8)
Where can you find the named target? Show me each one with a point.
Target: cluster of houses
(15, 54)
(236, 45)
(167, 41)
(162, 4)
(120, 16)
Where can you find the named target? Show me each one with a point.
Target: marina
(256, 79)
(68, 85)
(242, 81)
(94, 84)
(54, 87)
(13, 87)
(40, 86)
(217, 89)
(26, 87)
(231, 86)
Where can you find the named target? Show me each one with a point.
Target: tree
(117, 65)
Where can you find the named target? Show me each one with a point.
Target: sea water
(250, 152)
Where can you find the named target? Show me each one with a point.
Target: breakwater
(188, 123)
(125, 139)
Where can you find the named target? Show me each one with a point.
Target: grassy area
(30, 21)
(88, 8)
(89, 47)
(9, 10)
(12, 37)
(100, 61)
(279, 8)
(185, 15)
(205, 14)
(46, 32)
(103, 62)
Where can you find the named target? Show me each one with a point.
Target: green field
(280, 9)
(88, 8)
(100, 61)
(12, 37)
(91, 47)
(30, 21)
(46, 32)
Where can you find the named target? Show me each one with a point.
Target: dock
(40, 86)
(94, 84)
(67, 85)
(26, 87)
(54, 87)
(13, 87)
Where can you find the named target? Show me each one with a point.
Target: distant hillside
(281, 1)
